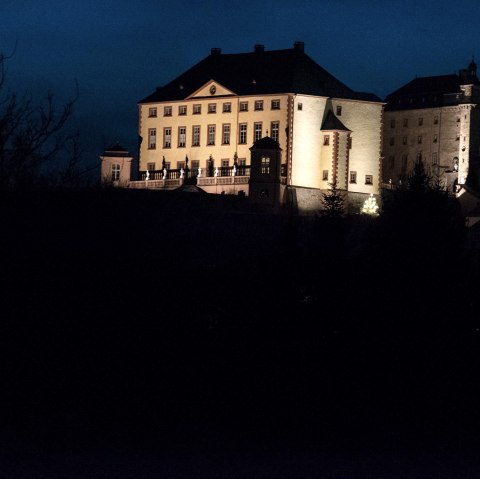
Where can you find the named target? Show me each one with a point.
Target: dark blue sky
(119, 50)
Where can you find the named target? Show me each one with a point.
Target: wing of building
(436, 119)
(206, 120)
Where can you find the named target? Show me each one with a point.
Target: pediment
(211, 89)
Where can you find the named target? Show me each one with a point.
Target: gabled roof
(259, 72)
(331, 122)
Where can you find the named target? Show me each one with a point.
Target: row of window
(419, 121)
(211, 134)
(326, 141)
(353, 177)
(212, 108)
(195, 164)
(420, 139)
(404, 161)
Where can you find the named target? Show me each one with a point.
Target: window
(458, 120)
(167, 111)
(182, 110)
(353, 177)
(244, 106)
(195, 167)
(435, 138)
(115, 172)
(419, 139)
(212, 108)
(152, 138)
(224, 168)
(392, 141)
(275, 104)
(434, 158)
(167, 165)
(167, 137)
(182, 136)
(180, 165)
(326, 140)
(196, 135)
(151, 166)
(405, 122)
(391, 162)
(275, 127)
(420, 121)
(404, 163)
(299, 106)
(242, 136)
(339, 110)
(227, 107)
(435, 120)
(211, 135)
(152, 112)
(265, 166)
(257, 131)
(197, 109)
(259, 105)
(458, 137)
(226, 134)
(325, 175)
(349, 143)
(369, 179)
(392, 123)
(404, 140)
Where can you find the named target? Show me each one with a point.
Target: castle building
(436, 119)
(203, 123)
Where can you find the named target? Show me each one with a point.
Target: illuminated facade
(436, 119)
(206, 120)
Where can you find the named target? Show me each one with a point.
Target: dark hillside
(150, 334)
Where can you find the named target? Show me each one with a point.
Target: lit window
(152, 112)
(196, 135)
(275, 127)
(211, 135)
(339, 110)
(369, 179)
(275, 104)
(326, 140)
(152, 138)
(212, 108)
(325, 175)
(265, 165)
(167, 137)
(257, 128)
(182, 110)
(197, 109)
(115, 172)
(167, 111)
(353, 177)
(244, 106)
(182, 136)
(242, 138)
(227, 107)
(259, 105)
(226, 134)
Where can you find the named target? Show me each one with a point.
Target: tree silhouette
(333, 202)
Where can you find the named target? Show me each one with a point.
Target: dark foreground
(159, 335)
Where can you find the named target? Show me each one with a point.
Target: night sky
(119, 51)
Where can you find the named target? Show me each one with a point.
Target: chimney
(259, 48)
(215, 51)
(299, 46)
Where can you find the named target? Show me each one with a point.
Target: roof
(116, 150)
(331, 122)
(266, 143)
(428, 92)
(258, 72)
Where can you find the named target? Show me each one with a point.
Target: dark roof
(266, 143)
(427, 92)
(116, 150)
(260, 72)
(331, 122)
